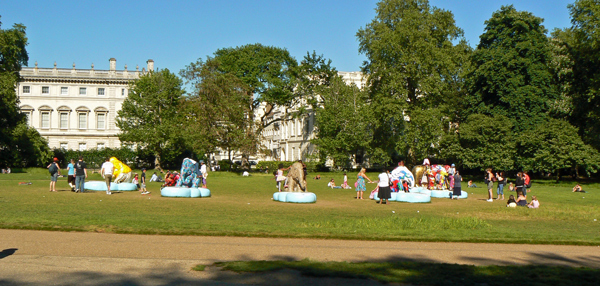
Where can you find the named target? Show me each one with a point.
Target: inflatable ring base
(295, 197)
(184, 192)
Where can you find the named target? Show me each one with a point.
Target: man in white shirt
(204, 173)
(107, 174)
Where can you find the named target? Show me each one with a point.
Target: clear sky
(175, 33)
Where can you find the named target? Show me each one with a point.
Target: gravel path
(73, 258)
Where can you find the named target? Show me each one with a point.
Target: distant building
(76, 108)
(289, 139)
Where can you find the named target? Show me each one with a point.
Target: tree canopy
(148, 116)
(412, 65)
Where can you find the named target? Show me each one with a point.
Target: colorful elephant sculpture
(122, 172)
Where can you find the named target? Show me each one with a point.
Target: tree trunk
(557, 175)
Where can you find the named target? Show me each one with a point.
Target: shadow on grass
(411, 271)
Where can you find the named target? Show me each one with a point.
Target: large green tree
(582, 44)
(412, 65)
(20, 145)
(343, 123)
(149, 114)
(512, 74)
(217, 112)
(270, 74)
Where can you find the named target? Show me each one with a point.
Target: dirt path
(61, 258)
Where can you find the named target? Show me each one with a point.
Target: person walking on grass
(143, 182)
(489, 180)
(107, 173)
(80, 175)
(71, 175)
(54, 170)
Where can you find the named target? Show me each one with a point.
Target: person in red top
(527, 186)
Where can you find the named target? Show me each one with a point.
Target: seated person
(136, 180)
(521, 200)
(169, 181)
(534, 204)
(578, 189)
(511, 202)
(155, 178)
(471, 185)
(332, 185)
(318, 177)
(511, 187)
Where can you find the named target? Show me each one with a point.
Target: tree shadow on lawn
(7, 252)
(414, 270)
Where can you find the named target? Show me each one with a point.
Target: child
(345, 183)
(511, 187)
(143, 183)
(136, 180)
(534, 204)
(511, 202)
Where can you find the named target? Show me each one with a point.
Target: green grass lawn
(242, 206)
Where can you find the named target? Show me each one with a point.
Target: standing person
(204, 173)
(519, 183)
(107, 173)
(360, 183)
(345, 183)
(489, 180)
(526, 184)
(143, 182)
(71, 175)
(279, 178)
(385, 193)
(54, 170)
(80, 175)
(457, 190)
(501, 184)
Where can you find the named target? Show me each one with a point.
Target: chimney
(113, 64)
(150, 65)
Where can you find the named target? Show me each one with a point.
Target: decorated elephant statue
(190, 175)
(401, 173)
(122, 172)
(295, 178)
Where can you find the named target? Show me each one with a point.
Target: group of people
(522, 186)
(76, 174)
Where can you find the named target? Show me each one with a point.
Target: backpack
(53, 169)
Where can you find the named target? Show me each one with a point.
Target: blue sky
(176, 33)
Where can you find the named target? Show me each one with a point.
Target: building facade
(76, 108)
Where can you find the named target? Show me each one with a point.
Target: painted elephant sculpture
(122, 172)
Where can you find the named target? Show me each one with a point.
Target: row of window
(64, 90)
(82, 146)
(63, 117)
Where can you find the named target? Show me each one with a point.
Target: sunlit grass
(242, 206)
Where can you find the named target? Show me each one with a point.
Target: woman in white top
(384, 193)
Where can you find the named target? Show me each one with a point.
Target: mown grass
(422, 273)
(242, 206)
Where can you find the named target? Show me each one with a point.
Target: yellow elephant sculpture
(122, 172)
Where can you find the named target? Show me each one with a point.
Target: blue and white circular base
(183, 192)
(295, 197)
(100, 186)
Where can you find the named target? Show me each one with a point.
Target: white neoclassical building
(76, 108)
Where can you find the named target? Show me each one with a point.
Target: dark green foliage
(486, 142)
(554, 146)
(20, 146)
(148, 116)
(412, 65)
(581, 43)
(511, 70)
(343, 122)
